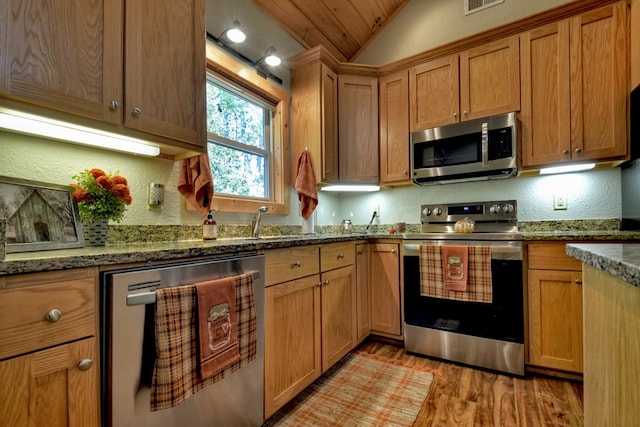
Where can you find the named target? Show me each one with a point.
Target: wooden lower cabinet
(385, 289)
(555, 308)
(310, 322)
(363, 291)
(292, 340)
(52, 387)
(49, 373)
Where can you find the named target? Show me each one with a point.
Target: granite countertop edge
(620, 260)
(96, 256)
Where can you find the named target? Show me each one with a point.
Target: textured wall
(422, 25)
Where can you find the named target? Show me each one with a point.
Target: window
(239, 141)
(248, 137)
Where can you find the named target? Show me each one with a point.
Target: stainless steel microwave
(467, 151)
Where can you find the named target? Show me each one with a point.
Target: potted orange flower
(100, 197)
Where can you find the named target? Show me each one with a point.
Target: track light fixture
(233, 34)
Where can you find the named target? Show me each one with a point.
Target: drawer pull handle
(341, 256)
(53, 315)
(297, 264)
(578, 281)
(85, 364)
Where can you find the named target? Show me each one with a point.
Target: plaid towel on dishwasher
(175, 375)
(479, 287)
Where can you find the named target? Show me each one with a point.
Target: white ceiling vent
(471, 6)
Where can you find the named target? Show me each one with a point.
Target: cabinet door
(292, 340)
(490, 79)
(434, 93)
(329, 125)
(599, 83)
(63, 55)
(546, 105)
(385, 288)
(394, 128)
(363, 300)
(165, 69)
(358, 129)
(338, 314)
(555, 319)
(48, 388)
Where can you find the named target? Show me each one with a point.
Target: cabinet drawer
(551, 256)
(287, 264)
(337, 255)
(23, 315)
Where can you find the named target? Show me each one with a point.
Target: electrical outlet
(376, 208)
(559, 202)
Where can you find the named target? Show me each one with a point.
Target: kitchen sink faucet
(255, 222)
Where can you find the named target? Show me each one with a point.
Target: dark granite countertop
(580, 235)
(30, 262)
(621, 260)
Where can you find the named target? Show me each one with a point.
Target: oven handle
(150, 297)
(497, 252)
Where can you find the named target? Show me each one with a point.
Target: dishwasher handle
(144, 298)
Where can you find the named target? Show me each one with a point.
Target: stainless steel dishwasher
(128, 349)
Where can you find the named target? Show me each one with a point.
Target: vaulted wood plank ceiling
(343, 27)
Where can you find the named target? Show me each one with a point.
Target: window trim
(227, 68)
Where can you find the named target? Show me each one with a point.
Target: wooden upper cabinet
(394, 128)
(81, 60)
(475, 83)
(358, 129)
(574, 89)
(165, 69)
(314, 118)
(490, 79)
(63, 55)
(434, 93)
(599, 83)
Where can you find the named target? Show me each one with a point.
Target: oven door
(502, 319)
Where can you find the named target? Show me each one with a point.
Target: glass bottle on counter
(210, 227)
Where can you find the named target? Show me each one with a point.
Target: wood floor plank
(453, 411)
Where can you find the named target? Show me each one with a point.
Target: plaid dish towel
(479, 286)
(175, 374)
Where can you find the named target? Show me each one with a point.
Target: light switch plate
(155, 197)
(560, 202)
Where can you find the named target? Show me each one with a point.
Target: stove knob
(508, 208)
(494, 209)
(426, 212)
(437, 211)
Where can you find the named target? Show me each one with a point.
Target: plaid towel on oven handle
(480, 287)
(175, 375)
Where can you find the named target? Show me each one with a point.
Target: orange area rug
(360, 390)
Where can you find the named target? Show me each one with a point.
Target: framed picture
(39, 216)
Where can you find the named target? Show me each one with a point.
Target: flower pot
(95, 233)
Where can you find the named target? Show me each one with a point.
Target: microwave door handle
(485, 145)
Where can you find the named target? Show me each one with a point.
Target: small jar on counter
(210, 227)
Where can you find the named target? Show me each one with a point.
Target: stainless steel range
(451, 325)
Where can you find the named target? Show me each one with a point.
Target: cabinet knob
(85, 364)
(136, 112)
(405, 173)
(53, 315)
(319, 284)
(578, 150)
(393, 251)
(565, 152)
(341, 256)
(359, 252)
(297, 263)
(455, 115)
(326, 282)
(578, 281)
(114, 105)
(466, 113)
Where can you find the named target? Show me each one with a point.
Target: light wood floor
(462, 396)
